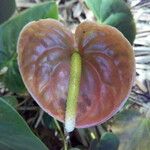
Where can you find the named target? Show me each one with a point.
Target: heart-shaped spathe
(108, 68)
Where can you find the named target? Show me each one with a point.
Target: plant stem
(61, 134)
(73, 92)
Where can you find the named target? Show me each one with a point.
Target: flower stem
(61, 134)
(73, 92)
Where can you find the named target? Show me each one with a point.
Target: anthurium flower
(50, 59)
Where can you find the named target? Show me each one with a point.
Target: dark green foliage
(115, 13)
(108, 141)
(7, 8)
(11, 100)
(9, 32)
(14, 132)
(48, 121)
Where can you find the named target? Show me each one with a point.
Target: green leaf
(133, 130)
(48, 121)
(7, 8)
(9, 32)
(108, 141)
(115, 13)
(14, 132)
(11, 100)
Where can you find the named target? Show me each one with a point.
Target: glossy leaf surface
(44, 51)
(115, 13)
(15, 133)
(9, 32)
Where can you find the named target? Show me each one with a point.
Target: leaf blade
(115, 13)
(15, 133)
(8, 7)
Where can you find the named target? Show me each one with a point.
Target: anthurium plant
(80, 78)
